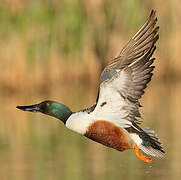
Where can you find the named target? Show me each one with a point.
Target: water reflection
(34, 146)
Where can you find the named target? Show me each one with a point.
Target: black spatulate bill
(31, 108)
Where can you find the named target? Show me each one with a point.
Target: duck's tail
(151, 144)
(148, 141)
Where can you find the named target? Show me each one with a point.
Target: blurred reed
(74, 40)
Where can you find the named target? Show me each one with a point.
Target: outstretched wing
(137, 47)
(123, 81)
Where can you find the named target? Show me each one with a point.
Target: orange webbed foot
(141, 156)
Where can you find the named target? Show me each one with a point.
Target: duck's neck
(59, 111)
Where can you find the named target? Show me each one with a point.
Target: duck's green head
(51, 108)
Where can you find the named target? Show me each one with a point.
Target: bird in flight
(114, 119)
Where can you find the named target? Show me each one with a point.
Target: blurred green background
(56, 49)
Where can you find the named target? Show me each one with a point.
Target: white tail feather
(150, 150)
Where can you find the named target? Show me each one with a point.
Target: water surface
(35, 146)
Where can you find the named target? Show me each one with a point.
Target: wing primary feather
(146, 65)
(152, 41)
(138, 46)
(147, 37)
(141, 62)
(145, 26)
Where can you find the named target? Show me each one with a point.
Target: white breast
(79, 122)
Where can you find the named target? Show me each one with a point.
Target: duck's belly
(109, 135)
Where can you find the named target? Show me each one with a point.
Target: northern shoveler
(114, 119)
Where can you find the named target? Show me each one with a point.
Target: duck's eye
(47, 104)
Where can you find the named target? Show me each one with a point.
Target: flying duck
(115, 118)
